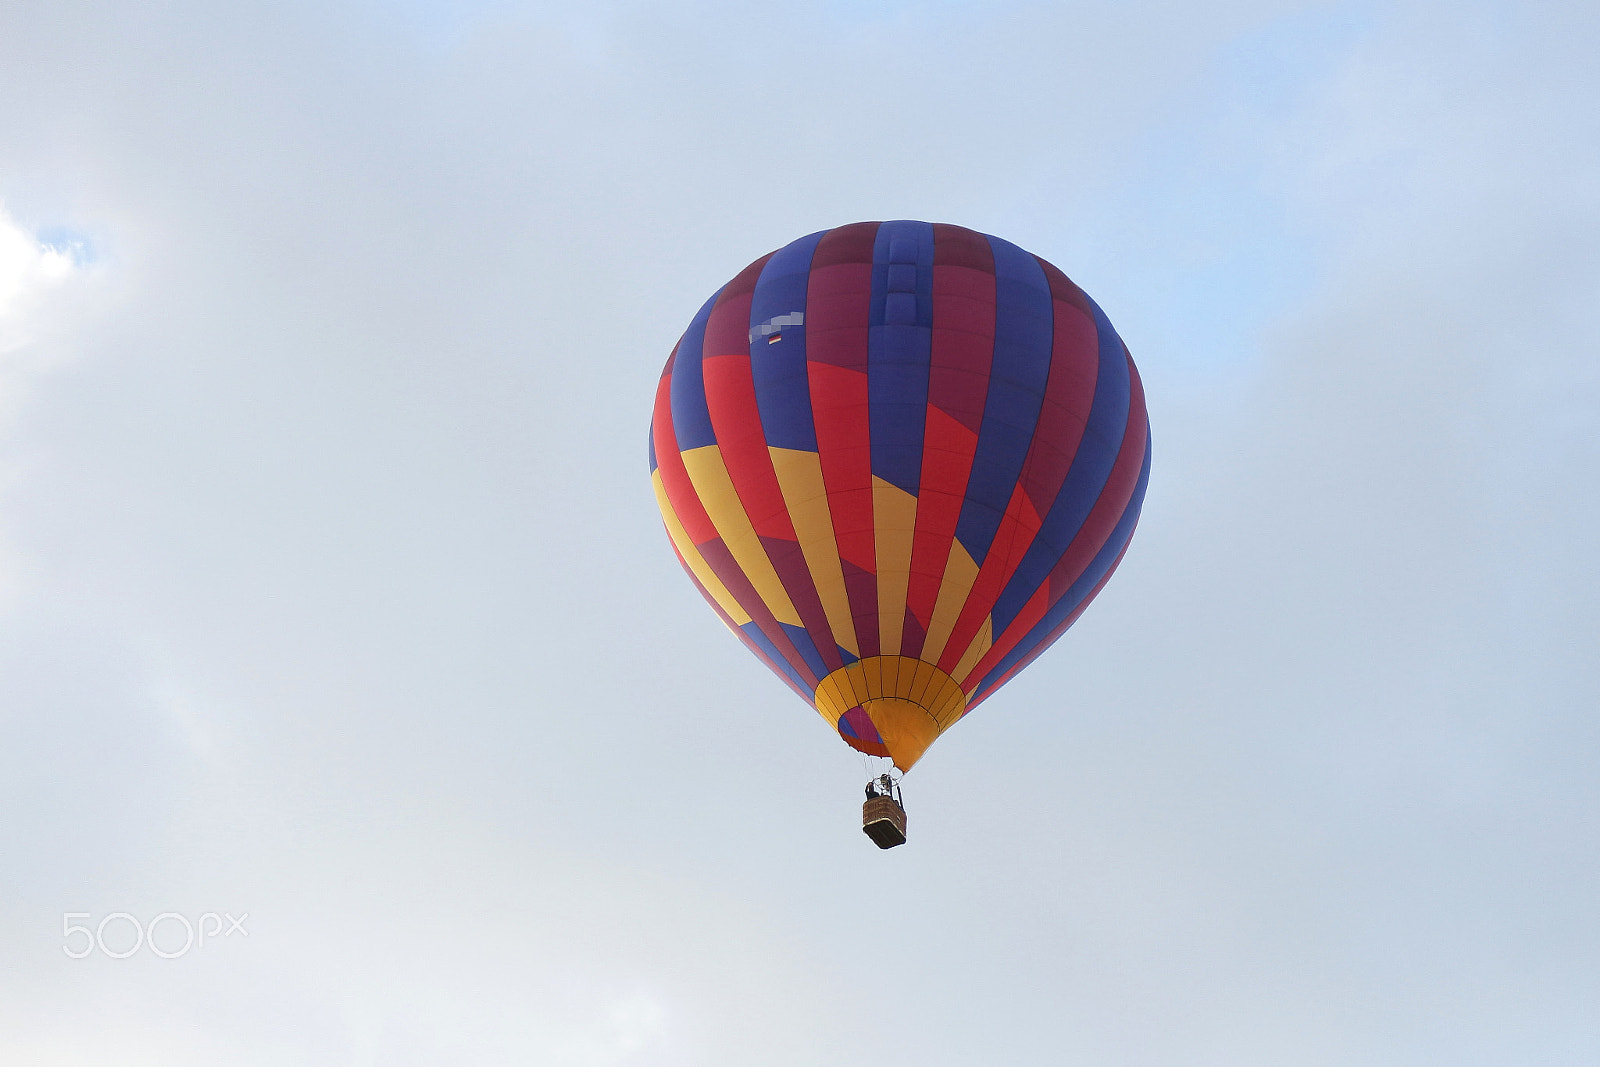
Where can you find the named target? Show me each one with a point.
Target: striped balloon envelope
(899, 459)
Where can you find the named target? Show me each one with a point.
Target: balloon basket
(884, 820)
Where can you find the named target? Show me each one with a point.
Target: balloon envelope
(899, 459)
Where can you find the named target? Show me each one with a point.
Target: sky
(333, 595)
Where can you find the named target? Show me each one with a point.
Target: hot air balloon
(899, 459)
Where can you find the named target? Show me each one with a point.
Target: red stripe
(1049, 640)
(727, 333)
(1097, 526)
(685, 503)
(1037, 607)
(731, 401)
(838, 299)
(736, 420)
(839, 407)
(727, 621)
(1016, 532)
(681, 496)
(958, 383)
(850, 245)
(789, 560)
(731, 396)
(1114, 498)
(1069, 394)
(1064, 288)
(963, 324)
(947, 453)
(912, 637)
(723, 565)
(957, 246)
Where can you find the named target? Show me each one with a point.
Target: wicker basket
(883, 820)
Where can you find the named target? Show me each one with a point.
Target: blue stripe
(807, 648)
(1023, 336)
(1086, 478)
(1073, 597)
(899, 350)
(783, 392)
(691, 418)
(752, 631)
(652, 444)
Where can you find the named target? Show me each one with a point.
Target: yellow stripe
(832, 693)
(717, 495)
(900, 677)
(872, 673)
(691, 555)
(981, 643)
(894, 525)
(919, 683)
(806, 496)
(960, 571)
(857, 681)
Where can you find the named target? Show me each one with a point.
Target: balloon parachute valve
(884, 820)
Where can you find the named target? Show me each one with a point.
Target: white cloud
(30, 270)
